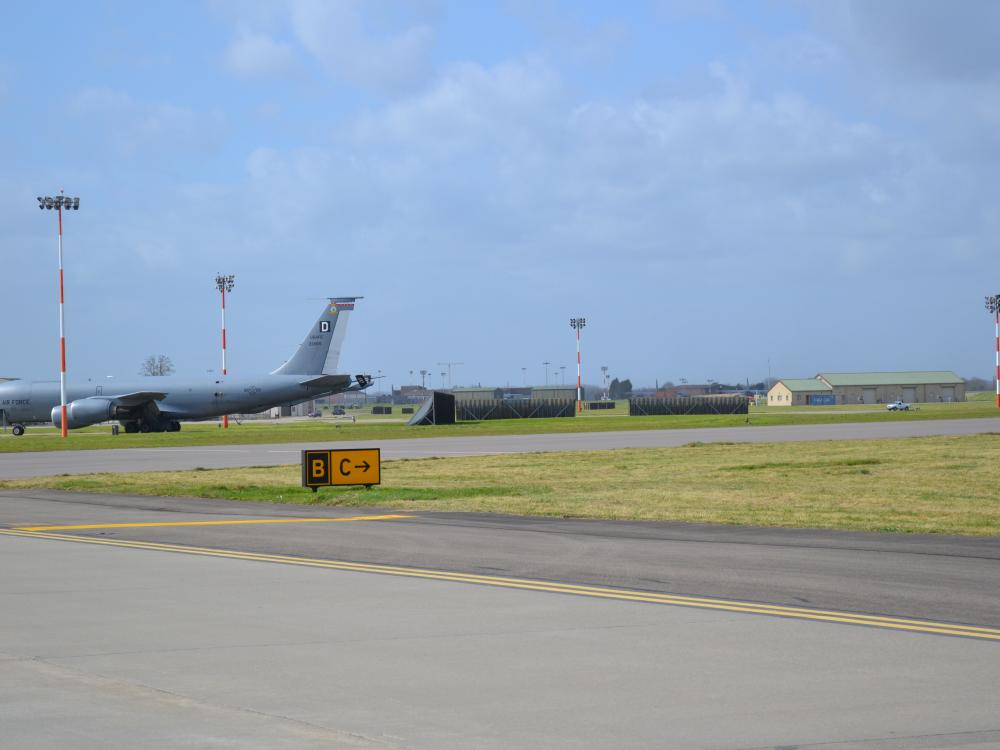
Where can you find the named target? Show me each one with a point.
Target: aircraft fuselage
(31, 402)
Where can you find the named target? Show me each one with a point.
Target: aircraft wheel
(130, 427)
(145, 427)
(17, 430)
(175, 426)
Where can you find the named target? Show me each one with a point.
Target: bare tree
(156, 364)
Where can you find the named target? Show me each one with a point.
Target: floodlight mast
(224, 284)
(60, 202)
(577, 324)
(993, 305)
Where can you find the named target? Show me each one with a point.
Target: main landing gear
(17, 429)
(145, 425)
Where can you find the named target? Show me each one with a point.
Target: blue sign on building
(822, 399)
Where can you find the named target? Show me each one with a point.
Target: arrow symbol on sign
(365, 466)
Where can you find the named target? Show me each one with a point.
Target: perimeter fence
(477, 411)
(646, 407)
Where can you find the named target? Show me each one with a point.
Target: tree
(620, 389)
(156, 364)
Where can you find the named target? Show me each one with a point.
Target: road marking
(239, 522)
(850, 618)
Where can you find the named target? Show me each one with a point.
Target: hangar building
(868, 388)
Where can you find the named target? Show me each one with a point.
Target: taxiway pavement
(42, 463)
(187, 623)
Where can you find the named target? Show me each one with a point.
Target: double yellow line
(599, 592)
(227, 522)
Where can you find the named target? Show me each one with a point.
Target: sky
(722, 189)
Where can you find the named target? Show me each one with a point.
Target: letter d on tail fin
(319, 353)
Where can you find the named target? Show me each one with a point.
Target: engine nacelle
(82, 412)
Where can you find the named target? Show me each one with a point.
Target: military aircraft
(158, 404)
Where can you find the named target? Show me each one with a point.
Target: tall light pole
(524, 376)
(993, 305)
(60, 202)
(224, 284)
(577, 325)
(546, 371)
(449, 365)
(604, 372)
(562, 374)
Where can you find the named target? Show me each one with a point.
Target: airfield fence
(593, 405)
(645, 407)
(481, 410)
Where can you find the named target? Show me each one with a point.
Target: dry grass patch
(934, 485)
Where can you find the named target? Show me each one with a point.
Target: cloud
(341, 36)
(134, 127)
(567, 33)
(251, 54)
(921, 38)
(503, 162)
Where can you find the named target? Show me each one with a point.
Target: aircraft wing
(139, 397)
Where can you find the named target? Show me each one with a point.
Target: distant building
(410, 394)
(554, 392)
(800, 391)
(477, 394)
(868, 388)
(686, 390)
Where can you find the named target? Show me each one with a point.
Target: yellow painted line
(240, 522)
(850, 618)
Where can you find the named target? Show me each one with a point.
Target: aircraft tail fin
(319, 353)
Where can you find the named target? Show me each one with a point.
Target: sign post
(344, 467)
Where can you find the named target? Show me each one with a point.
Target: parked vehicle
(898, 406)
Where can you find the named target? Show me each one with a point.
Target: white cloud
(567, 33)
(922, 37)
(135, 127)
(252, 54)
(504, 161)
(340, 36)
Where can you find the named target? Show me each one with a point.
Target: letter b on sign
(315, 468)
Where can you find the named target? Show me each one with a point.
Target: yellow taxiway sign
(341, 467)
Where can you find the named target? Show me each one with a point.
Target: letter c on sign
(342, 464)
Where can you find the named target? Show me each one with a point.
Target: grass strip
(941, 485)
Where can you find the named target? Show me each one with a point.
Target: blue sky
(712, 185)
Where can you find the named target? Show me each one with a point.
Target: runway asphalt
(17, 465)
(193, 623)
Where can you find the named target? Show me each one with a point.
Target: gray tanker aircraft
(157, 404)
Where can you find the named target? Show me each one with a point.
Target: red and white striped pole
(577, 324)
(224, 284)
(579, 396)
(993, 305)
(59, 202)
(64, 427)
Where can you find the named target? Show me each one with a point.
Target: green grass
(981, 396)
(47, 439)
(930, 485)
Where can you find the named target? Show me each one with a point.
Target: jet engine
(84, 411)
